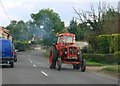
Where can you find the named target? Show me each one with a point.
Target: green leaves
(108, 43)
(51, 24)
(49, 19)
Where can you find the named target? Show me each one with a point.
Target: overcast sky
(21, 9)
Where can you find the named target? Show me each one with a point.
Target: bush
(117, 54)
(93, 43)
(21, 45)
(102, 58)
(108, 43)
(90, 49)
(103, 42)
(115, 42)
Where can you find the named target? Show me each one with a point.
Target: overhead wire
(4, 10)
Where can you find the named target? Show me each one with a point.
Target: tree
(47, 23)
(105, 21)
(75, 29)
(49, 19)
(18, 30)
(110, 21)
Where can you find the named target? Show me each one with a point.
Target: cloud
(21, 9)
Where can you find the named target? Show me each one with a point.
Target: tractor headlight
(65, 52)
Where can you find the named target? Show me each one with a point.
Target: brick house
(4, 33)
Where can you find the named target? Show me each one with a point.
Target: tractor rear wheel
(83, 65)
(53, 57)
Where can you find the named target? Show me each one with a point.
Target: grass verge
(94, 64)
(111, 70)
(47, 53)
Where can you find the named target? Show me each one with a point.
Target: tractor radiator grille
(72, 50)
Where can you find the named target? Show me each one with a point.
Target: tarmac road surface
(33, 68)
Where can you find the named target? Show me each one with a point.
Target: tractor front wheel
(83, 65)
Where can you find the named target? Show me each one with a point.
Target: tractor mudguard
(56, 47)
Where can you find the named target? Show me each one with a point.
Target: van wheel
(15, 60)
(11, 64)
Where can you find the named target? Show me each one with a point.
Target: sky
(21, 9)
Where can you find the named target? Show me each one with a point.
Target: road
(33, 68)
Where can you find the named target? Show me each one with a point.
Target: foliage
(103, 42)
(48, 23)
(90, 49)
(102, 58)
(89, 63)
(115, 43)
(110, 21)
(93, 43)
(108, 43)
(117, 54)
(21, 45)
(18, 30)
(49, 19)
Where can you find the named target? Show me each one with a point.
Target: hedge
(103, 58)
(21, 45)
(115, 43)
(103, 42)
(108, 43)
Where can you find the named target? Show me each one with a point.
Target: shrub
(21, 45)
(103, 42)
(115, 42)
(117, 55)
(108, 43)
(102, 58)
(93, 43)
(90, 49)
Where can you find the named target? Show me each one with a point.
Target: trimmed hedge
(115, 43)
(21, 45)
(103, 42)
(108, 43)
(117, 54)
(102, 58)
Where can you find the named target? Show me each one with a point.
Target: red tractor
(66, 51)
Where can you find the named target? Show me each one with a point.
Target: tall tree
(18, 30)
(48, 23)
(74, 28)
(49, 19)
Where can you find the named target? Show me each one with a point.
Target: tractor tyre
(77, 66)
(83, 65)
(54, 57)
(74, 66)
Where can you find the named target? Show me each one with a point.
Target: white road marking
(34, 65)
(44, 73)
(31, 61)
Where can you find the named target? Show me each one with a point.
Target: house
(81, 44)
(4, 33)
